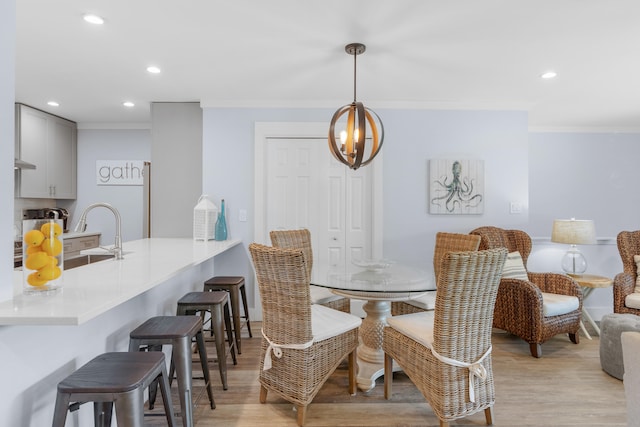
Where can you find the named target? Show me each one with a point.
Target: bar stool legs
(114, 378)
(235, 286)
(177, 331)
(217, 304)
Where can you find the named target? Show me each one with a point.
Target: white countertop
(93, 289)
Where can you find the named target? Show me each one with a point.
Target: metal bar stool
(177, 331)
(234, 285)
(119, 378)
(217, 304)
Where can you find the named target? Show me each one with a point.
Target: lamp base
(573, 262)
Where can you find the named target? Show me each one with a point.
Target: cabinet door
(32, 133)
(61, 161)
(50, 143)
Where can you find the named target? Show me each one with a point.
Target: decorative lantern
(204, 219)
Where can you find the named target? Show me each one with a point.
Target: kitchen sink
(85, 260)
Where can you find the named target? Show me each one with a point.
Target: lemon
(52, 247)
(34, 280)
(33, 249)
(50, 272)
(53, 260)
(33, 237)
(49, 227)
(37, 260)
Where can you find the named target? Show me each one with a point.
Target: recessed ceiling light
(128, 104)
(549, 75)
(93, 19)
(153, 69)
(53, 104)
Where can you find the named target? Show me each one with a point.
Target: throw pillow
(514, 267)
(636, 258)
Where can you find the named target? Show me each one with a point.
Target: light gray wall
(412, 138)
(7, 99)
(551, 175)
(107, 144)
(586, 176)
(176, 167)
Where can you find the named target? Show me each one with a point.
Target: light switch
(242, 215)
(515, 208)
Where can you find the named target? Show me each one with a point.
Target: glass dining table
(378, 283)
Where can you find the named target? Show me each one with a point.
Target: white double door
(307, 188)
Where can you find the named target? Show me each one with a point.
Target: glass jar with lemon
(42, 252)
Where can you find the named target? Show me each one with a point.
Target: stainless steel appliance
(17, 254)
(48, 213)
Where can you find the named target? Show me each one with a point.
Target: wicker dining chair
(445, 242)
(302, 343)
(624, 284)
(301, 239)
(447, 352)
(520, 305)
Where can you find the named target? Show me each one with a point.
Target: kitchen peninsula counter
(94, 289)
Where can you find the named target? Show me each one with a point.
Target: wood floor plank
(566, 387)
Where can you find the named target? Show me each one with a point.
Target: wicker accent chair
(302, 344)
(445, 242)
(624, 283)
(301, 239)
(447, 353)
(519, 305)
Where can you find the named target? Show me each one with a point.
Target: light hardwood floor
(566, 387)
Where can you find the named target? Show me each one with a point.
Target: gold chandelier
(351, 149)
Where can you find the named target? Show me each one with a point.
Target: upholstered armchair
(532, 306)
(625, 299)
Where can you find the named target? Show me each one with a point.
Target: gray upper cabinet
(49, 142)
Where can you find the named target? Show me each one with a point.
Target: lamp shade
(573, 231)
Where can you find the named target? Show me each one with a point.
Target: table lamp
(574, 232)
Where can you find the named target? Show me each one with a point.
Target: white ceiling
(456, 54)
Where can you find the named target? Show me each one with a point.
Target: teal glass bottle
(221, 224)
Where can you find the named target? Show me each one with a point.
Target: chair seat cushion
(417, 326)
(327, 322)
(555, 304)
(321, 295)
(632, 300)
(425, 302)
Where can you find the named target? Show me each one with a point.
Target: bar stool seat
(235, 286)
(177, 331)
(217, 304)
(119, 378)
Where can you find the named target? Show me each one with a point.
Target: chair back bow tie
(276, 349)
(476, 369)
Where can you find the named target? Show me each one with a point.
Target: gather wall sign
(119, 172)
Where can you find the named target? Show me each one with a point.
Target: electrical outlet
(515, 208)
(242, 215)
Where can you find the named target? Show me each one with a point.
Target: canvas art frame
(456, 187)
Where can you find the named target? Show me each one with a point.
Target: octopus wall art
(456, 187)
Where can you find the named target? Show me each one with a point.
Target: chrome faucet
(82, 226)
